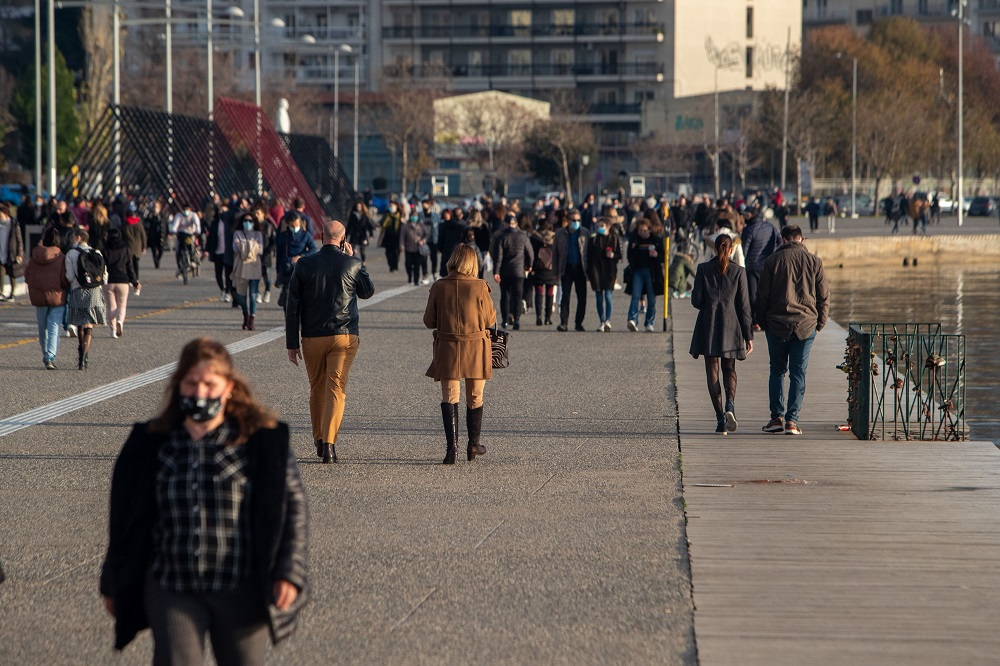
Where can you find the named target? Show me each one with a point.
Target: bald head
(333, 232)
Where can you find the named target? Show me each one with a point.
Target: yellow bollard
(666, 281)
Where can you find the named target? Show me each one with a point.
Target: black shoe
(720, 429)
(580, 328)
(319, 448)
(538, 321)
(562, 328)
(474, 424)
(517, 326)
(329, 454)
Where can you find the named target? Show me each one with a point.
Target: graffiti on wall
(767, 57)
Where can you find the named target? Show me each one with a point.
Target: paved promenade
(564, 545)
(822, 549)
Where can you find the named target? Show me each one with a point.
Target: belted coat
(460, 311)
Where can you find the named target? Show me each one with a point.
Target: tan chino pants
(328, 361)
(451, 391)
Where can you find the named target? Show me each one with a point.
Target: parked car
(12, 192)
(982, 207)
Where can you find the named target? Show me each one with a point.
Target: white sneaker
(600, 329)
(649, 328)
(267, 297)
(618, 287)
(222, 297)
(71, 331)
(228, 297)
(425, 281)
(114, 333)
(632, 325)
(607, 327)
(260, 299)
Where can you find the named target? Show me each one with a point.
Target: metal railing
(643, 69)
(905, 382)
(525, 31)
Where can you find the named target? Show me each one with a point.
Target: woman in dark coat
(239, 569)
(604, 251)
(359, 228)
(543, 277)
(723, 333)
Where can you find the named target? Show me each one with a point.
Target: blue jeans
(642, 281)
(789, 357)
(248, 303)
(604, 304)
(50, 320)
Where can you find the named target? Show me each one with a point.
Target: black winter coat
(121, 269)
(451, 234)
(724, 318)
(760, 240)
(602, 270)
(512, 254)
(277, 522)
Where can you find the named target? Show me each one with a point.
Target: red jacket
(46, 277)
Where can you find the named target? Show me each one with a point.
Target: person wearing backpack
(87, 273)
(543, 278)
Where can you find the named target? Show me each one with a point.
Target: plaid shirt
(202, 537)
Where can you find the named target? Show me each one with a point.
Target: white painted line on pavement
(58, 408)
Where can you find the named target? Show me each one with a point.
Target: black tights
(83, 338)
(728, 379)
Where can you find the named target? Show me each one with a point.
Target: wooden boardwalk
(822, 549)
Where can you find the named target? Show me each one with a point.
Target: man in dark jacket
(760, 240)
(569, 261)
(293, 242)
(157, 226)
(323, 303)
(512, 256)
(793, 303)
(451, 234)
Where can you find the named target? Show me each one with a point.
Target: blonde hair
(464, 260)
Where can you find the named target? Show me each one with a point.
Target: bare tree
(7, 86)
(564, 137)
(96, 35)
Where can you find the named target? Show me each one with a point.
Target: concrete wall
(894, 249)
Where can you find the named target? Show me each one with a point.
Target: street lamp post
(960, 13)
(52, 97)
(336, 97)
(38, 98)
(357, 83)
(854, 137)
(584, 161)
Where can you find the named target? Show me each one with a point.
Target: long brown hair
(723, 246)
(242, 409)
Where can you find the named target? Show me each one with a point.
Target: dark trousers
(753, 278)
(434, 258)
(135, 265)
(511, 292)
(573, 277)
(266, 278)
(180, 621)
(392, 257)
(157, 252)
(223, 274)
(414, 262)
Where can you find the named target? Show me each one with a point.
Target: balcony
(652, 31)
(620, 71)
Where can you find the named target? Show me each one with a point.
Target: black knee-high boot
(84, 337)
(548, 310)
(474, 424)
(538, 309)
(449, 416)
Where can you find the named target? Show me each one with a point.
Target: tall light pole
(854, 137)
(715, 162)
(784, 131)
(584, 161)
(357, 84)
(960, 13)
(116, 91)
(52, 97)
(336, 97)
(38, 98)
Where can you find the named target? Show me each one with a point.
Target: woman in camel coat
(461, 311)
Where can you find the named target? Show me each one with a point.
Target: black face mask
(200, 410)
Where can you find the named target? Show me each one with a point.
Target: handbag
(425, 250)
(498, 341)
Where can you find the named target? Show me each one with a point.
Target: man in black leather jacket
(323, 303)
(512, 256)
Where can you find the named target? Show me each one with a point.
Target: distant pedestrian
(413, 244)
(512, 256)
(323, 306)
(604, 251)
(359, 228)
(760, 240)
(47, 285)
(543, 277)
(134, 235)
(392, 227)
(569, 261)
(812, 212)
(121, 275)
(831, 211)
(157, 227)
(87, 273)
(451, 234)
(723, 333)
(292, 243)
(248, 248)
(460, 311)
(793, 302)
(645, 258)
(207, 532)
(11, 251)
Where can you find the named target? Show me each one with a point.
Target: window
(562, 62)
(606, 96)
(608, 20)
(562, 21)
(644, 95)
(895, 7)
(520, 22)
(519, 62)
(476, 63)
(749, 22)
(749, 62)
(644, 17)
(864, 17)
(922, 7)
